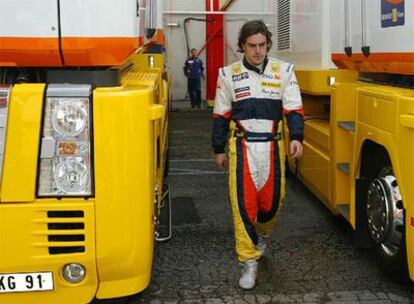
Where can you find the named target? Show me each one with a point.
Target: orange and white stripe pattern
(91, 32)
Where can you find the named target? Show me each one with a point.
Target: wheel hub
(385, 213)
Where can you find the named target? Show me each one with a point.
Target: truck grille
(66, 232)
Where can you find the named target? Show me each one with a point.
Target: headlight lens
(69, 117)
(65, 164)
(71, 175)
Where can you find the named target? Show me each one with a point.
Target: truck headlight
(71, 175)
(69, 117)
(65, 161)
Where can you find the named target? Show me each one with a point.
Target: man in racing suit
(251, 98)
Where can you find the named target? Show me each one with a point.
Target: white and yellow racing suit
(251, 103)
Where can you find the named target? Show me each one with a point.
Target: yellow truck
(359, 117)
(83, 134)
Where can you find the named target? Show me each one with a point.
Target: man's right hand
(221, 161)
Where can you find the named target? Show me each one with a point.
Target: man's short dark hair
(251, 28)
(193, 49)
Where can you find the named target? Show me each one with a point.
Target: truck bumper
(43, 237)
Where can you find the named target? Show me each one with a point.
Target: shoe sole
(247, 288)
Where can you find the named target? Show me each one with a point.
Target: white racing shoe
(249, 275)
(262, 243)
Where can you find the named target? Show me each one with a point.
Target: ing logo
(275, 68)
(236, 69)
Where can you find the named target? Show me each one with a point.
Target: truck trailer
(355, 65)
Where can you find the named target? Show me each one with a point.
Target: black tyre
(386, 224)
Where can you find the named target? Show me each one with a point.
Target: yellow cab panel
(109, 232)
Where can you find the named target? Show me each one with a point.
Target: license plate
(24, 282)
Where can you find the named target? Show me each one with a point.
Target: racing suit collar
(253, 68)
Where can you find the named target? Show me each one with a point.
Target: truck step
(343, 167)
(344, 210)
(347, 125)
(163, 223)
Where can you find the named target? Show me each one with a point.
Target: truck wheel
(386, 224)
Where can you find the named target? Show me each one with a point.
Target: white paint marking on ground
(179, 131)
(178, 171)
(176, 147)
(197, 173)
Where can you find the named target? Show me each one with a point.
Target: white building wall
(259, 9)
(176, 44)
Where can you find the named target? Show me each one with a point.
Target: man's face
(255, 49)
(194, 53)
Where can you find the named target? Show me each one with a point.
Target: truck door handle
(407, 120)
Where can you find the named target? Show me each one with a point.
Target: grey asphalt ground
(311, 258)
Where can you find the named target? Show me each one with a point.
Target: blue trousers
(194, 89)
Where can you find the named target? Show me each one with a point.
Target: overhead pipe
(226, 5)
(214, 57)
(187, 20)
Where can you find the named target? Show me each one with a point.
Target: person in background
(252, 96)
(194, 71)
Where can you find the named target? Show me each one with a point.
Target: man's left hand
(296, 149)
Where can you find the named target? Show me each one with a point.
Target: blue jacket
(193, 68)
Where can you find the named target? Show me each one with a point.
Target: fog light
(71, 175)
(73, 273)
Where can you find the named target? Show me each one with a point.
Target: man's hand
(296, 149)
(221, 161)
